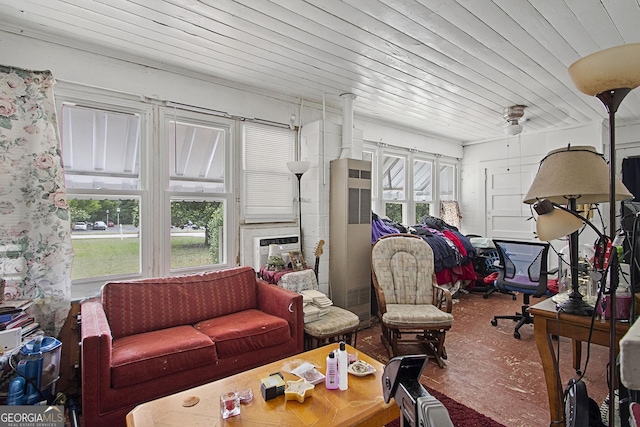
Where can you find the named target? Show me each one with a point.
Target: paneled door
(507, 216)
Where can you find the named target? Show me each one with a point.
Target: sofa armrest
(96, 348)
(283, 303)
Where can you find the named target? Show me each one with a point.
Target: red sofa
(149, 338)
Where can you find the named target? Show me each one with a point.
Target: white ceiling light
(512, 115)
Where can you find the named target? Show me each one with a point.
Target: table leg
(550, 367)
(577, 355)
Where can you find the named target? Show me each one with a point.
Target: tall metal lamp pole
(610, 75)
(298, 168)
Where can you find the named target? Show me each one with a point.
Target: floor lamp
(610, 75)
(298, 168)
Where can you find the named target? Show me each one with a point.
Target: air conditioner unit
(261, 245)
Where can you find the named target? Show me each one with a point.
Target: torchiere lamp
(298, 168)
(610, 75)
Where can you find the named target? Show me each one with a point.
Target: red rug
(461, 415)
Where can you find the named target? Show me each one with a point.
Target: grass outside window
(115, 256)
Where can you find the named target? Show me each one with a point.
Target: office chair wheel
(514, 297)
(485, 296)
(494, 322)
(516, 334)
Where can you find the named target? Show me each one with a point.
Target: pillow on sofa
(143, 357)
(244, 332)
(145, 305)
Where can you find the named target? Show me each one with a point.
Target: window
(200, 240)
(199, 194)
(268, 187)
(108, 244)
(406, 187)
(393, 187)
(422, 188)
(447, 182)
(101, 154)
(150, 187)
(196, 157)
(393, 179)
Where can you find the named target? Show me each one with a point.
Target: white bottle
(331, 377)
(343, 378)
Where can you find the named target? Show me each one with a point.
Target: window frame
(377, 151)
(415, 157)
(166, 115)
(288, 192)
(153, 193)
(403, 202)
(455, 179)
(94, 98)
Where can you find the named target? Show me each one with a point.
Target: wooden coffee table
(362, 404)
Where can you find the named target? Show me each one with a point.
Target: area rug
(461, 415)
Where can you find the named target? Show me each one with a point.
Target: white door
(507, 216)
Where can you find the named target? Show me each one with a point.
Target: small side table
(338, 324)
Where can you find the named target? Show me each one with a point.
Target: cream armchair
(411, 306)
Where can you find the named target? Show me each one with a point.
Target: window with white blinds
(268, 185)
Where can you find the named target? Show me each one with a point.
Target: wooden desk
(547, 322)
(361, 405)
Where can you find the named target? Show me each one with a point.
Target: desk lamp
(566, 176)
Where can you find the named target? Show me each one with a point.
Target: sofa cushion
(141, 357)
(138, 306)
(245, 331)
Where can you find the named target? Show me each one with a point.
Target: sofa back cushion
(138, 306)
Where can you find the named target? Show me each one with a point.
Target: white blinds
(268, 186)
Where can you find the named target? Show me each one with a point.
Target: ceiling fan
(514, 117)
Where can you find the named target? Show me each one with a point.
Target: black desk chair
(484, 264)
(522, 268)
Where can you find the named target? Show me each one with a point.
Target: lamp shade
(554, 223)
(578, 172)
(299, 167)
(614, 68)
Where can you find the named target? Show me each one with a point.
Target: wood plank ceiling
(444, 67)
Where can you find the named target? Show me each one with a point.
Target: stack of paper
(315, 305)
(319, 299)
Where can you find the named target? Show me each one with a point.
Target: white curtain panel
(35, 233)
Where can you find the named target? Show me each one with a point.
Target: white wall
(87, 68)
(74, 66)
(407, 138)
(511, 152)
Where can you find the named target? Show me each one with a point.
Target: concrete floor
(492, 372)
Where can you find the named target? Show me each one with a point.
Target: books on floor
(20, 321)
(14, 306)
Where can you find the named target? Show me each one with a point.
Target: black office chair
(484, 264)
(522, 268)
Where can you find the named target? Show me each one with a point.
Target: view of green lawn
(106, 257)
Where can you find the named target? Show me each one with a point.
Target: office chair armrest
(442, 298)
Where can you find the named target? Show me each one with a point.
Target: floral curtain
(35, 233)
(450, 212)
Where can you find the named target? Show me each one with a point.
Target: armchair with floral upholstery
(411, 306)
